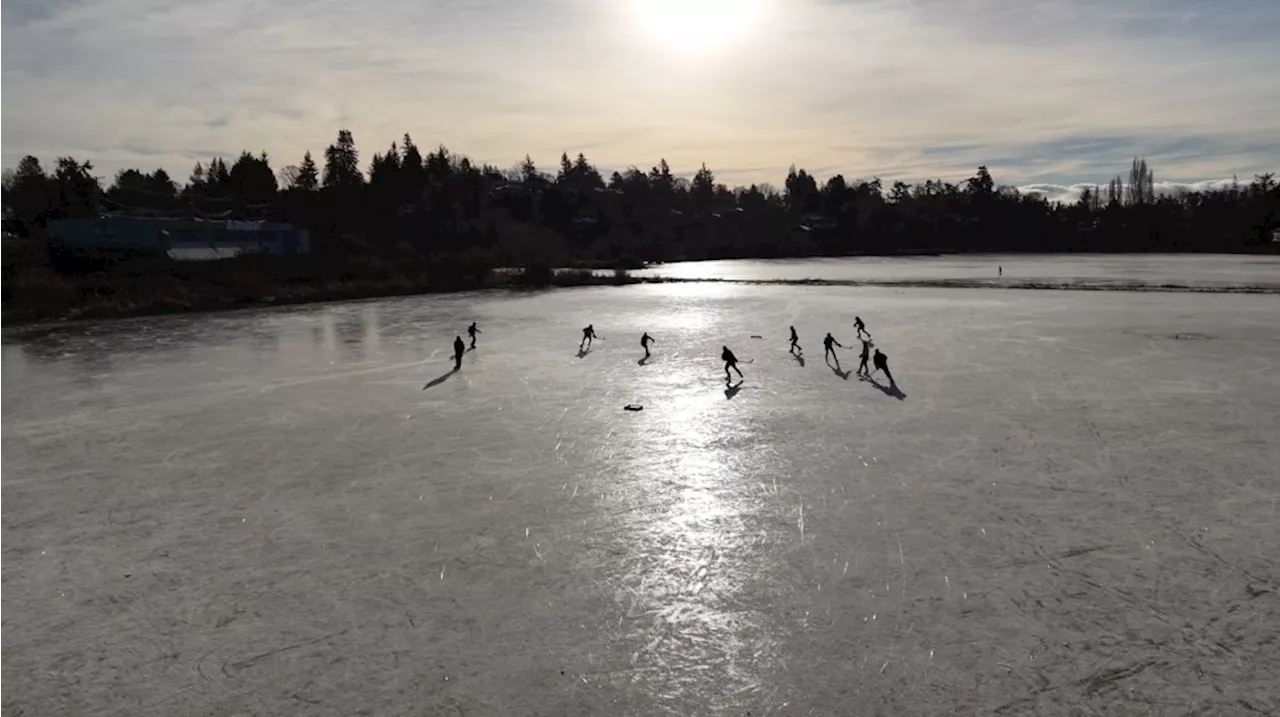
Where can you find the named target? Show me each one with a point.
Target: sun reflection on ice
(687, 558)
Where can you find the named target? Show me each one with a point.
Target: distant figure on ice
(882, 364)
(999, 270)
(730, 362)
(588, 334)
(861, 327)
(795, 341)
(827, 343)
(473, 331)
(458, 349)
(866, 355)
(644, 343)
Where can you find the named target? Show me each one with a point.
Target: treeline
(403, 202)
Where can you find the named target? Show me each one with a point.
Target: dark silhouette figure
(588, 334)
(458, 349)
(827, 344)
(861, 327)
(866, 356)
(730, 362)
(795, 341)
(644, 343)
(882, 364)
(472, 330)
(999, 271)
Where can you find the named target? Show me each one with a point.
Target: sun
(696, 25)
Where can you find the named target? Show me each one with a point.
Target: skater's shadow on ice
(436, 382)
(732, 390)
(582, 353)
(837, 370)
(799, 359)
(644, 360)
(890, 390)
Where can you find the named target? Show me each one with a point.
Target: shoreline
(109, 311)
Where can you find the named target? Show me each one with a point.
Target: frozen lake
(1070, 508)
(1209, 271)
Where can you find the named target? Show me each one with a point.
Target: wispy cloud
(1056, 93)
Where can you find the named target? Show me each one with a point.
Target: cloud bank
(1071, 194)
(1044, 93)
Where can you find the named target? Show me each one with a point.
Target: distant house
(183, 239)
(814, 222)
(9, 227)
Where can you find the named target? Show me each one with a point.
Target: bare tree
(1115, 191)
(289, 176)
(1141, 188)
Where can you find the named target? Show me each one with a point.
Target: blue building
(188, 239)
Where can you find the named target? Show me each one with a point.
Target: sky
(1049, 95)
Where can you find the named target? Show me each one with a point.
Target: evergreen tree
(528, 170)
(342, 163)
(412, 170)
(586, 176)
(566, 170)
(31, 193)
(251, 179)
(78, 191)
(702, 190)
(196, 180)
(308, 175)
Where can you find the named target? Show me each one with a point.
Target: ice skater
(999, 270)
(588, 334)
(861, 327)
(795, 341)
(866, 355)
(644, 343)
(458, 349)
(472, 330)
(882, 364)
(827, 344)
(730, 362)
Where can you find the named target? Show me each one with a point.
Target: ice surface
(1204, 271)
(1072, 508)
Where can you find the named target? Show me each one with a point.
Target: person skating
(866, 355)
(861, 327)
(588, 334)
(827, 344)
(882, 364)
(472, 330)
(458, 349)
(644, 343)
(795, 341)
(730, 362)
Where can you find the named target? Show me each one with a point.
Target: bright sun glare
(697, 25)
